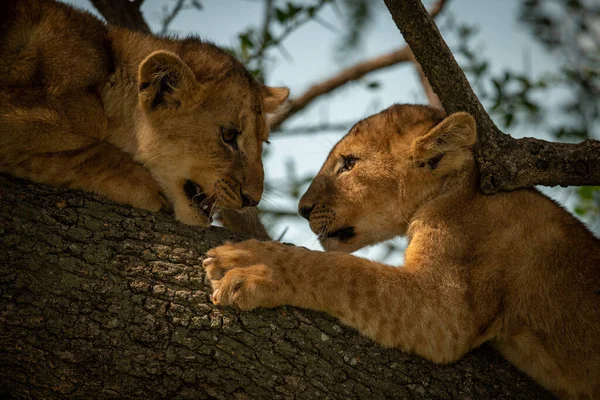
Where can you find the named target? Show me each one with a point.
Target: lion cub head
(201, 124)
(382, 171)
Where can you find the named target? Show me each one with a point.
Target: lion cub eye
(229, 136)
(349, 163)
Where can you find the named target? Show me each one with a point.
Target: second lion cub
(514, 269)
(131, 116)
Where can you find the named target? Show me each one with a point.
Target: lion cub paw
(245, 289)
(245, 275)
(231, 255)
(155, 202)
(142, 191)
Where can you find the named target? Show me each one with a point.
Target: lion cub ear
(273, 97)
(165, 80)
(456, 132)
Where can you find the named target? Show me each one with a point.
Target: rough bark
(99, 300)
(505, 163)
(125, 13)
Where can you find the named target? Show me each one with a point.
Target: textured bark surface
(99, 300)
(505, 163)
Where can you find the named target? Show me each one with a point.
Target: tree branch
(316, 128)
(123, 13)
(349, 74)
(529, 161)
(505, 163)
(102, 301)
(352, 73)
(443, 72)
(265, 35)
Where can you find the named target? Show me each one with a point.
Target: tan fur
(127, 115)
(246, 221)
(514, 269)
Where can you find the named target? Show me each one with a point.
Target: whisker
(197, 194)
(208, 199)
(212, 210)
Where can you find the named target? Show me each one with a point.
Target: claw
(213, 297)
(208, 261)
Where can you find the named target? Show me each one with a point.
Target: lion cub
(514, 268)
(127, 115)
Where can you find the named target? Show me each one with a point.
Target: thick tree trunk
(99, 300)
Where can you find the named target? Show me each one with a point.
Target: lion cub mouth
(203, 203)
(343, 234)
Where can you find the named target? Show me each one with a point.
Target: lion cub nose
(248, 201)
(305, 211)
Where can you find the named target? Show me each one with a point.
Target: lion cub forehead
(403, 118)
(398, 122)
(398, 119)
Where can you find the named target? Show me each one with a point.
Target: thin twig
(286, 32)
(265, 33)
(432, 98)
(318, 128)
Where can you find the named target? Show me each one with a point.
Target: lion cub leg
(246, 220)
(395, 307)
(59, 142)
(98, 168)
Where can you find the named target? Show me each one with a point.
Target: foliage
(282, 18)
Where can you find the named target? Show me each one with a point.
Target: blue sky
(504, 42)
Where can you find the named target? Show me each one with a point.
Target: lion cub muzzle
(324, 221)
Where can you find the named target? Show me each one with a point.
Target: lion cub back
(54, 61)
(47, 44)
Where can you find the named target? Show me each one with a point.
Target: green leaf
(508, 119)
(281, 15)
(245, 40)
(293, 10)
(480, 68)
(532, 108)
(466, 31)
(580, 211)
(498, 87)
(587, 192)
(268, 38)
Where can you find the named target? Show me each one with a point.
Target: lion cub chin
(143, 120)
(513, 269)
